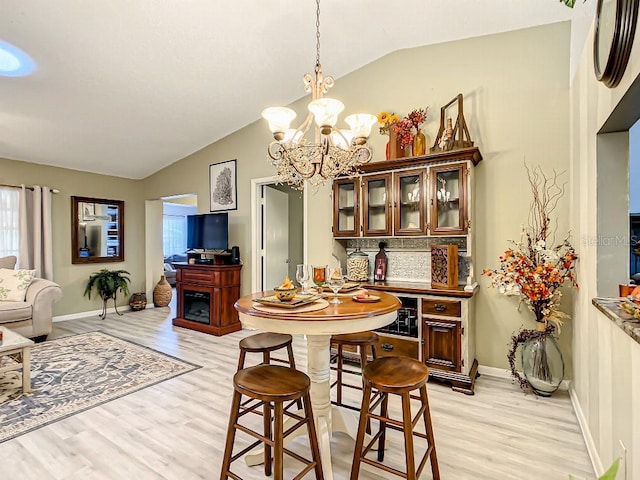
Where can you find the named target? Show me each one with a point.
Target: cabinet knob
(439, 307)
(387, 347)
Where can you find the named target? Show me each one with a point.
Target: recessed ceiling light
(14, 62)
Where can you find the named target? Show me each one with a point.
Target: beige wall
(73, 278)
(607, 361)
(515, 89)
(516, 103)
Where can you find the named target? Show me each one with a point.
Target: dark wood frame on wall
(611, 60)
(75, 247)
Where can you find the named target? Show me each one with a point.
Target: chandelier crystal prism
(332, 152)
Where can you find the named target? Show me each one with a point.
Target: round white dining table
(318, 326)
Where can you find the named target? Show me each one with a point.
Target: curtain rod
(53, 190)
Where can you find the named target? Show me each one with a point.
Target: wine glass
(302, 276)
(335, 280)
(319, 275)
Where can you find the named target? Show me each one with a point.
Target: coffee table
(18, 348)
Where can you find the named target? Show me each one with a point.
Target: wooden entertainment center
(206, 294)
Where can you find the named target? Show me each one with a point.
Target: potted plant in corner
(534, 269)
(107, 283)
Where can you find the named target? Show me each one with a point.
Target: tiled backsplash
(409, 259)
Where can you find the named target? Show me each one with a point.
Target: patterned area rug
(75, 373)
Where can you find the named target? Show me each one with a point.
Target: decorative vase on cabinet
(162, 293)
(419, 144)
(542, 364)
(395, 148)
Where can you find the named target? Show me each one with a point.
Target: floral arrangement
(534, 269)
(386, 119)
(417, 117)
(404, 131)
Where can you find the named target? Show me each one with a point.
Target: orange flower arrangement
(532, 269)
(535, 270)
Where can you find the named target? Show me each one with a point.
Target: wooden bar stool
(399, 376)
(363, 341)
(271, 386)
(266, 343)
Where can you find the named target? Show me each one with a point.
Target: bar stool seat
(398, 376)
(270, 386)
(363, 341)
(266, 343)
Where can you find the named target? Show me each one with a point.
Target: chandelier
(333, 151)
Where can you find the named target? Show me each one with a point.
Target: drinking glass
(319, 275)
(302, 276)
(335, 280)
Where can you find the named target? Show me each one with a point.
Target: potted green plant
(107, 283)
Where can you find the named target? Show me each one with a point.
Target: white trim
(506, 374)
(256, 184)
(596, 463)
(91, 313)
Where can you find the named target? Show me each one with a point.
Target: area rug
(72, 374)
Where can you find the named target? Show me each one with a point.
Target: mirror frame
(75, 256)
(610, 60)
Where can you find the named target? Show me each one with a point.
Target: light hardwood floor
(176, 429)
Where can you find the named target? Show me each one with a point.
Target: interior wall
(296, 232)
(515, 88)
(634, 169)
(607, 361)
(73, 278)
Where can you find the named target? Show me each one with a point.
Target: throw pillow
(8, 262)
(14, 284)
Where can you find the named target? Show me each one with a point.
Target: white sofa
(33, 317)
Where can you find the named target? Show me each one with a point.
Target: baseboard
(504, 373)
(596, 463)
(91, 313)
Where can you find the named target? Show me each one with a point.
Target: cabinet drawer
(195, 276)
(397, 347)
(449, 308)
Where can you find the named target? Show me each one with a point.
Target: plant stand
(104, 307)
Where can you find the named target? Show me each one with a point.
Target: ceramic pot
(162, 293)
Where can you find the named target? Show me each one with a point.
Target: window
(174, 234)
(9, 221)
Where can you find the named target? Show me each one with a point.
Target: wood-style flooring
(176, 429)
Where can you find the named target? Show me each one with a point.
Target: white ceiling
(127, 87)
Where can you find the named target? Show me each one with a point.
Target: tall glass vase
(543, 364)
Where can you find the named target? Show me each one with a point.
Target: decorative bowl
(285, 294)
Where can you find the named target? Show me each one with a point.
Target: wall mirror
(97, 230)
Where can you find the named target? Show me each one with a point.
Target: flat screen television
(209, 231)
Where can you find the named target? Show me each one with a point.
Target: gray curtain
(35, 231)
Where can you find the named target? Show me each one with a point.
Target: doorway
(277, 231)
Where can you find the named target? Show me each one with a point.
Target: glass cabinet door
(448, 200)
(409, 203)
(377, 204)
(346, 207)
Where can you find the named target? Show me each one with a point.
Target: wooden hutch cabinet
(448, 200)
(436, 326)
(420, 197)
(346, 207)
(206, 294)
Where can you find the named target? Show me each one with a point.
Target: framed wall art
(223, 193)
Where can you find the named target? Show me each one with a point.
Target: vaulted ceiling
(127, 87)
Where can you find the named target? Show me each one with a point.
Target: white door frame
(256, 185)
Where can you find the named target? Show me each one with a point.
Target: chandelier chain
(317, 33)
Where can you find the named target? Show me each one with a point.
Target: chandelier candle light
(333, 151)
